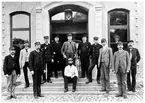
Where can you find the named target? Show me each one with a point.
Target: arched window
(20, 27)
(118, 27)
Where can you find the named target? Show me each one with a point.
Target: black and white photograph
(72, 51)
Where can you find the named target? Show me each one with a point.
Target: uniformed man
(36, 64)
(58, 58)
(94, 55)
(83, 52)
(47, 52)
(68, 49)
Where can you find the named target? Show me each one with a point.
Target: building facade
(33, 20)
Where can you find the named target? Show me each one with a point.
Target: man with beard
(36, 64)
(134, 58)
(121, 67)
(11, 71)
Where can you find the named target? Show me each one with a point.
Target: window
(20, 27)
(118, 27)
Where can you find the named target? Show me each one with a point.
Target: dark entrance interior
(78, 25)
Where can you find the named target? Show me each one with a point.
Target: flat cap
(96, 38)
(70, 59)
(69, 34)
(130, 41)
(85, 35)
(37, 43)
(46, 37)
(12, 48)
(119, 43)
(103, 40)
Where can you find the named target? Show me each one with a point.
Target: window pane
(24, 35)
(118, 34)
(20, 21)
(118, 18)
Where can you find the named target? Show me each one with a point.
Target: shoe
(118, 95)
(40, 95)
(66, 90)
(129, 90)
(73, 90)
(14, 96)
(9, 97)
(102, 90)
(36, 97)
(107, 91)
(88, 82)
(133, 90)
(98, 82)
(27, 85)
(56, 76)
(124, 96)
(43, 82)
(49, 81)
(82, 77)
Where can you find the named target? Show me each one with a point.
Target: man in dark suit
(11, 71)
(58, 58)
(83, 52)
(135, 58)
(36, 64)
(121, 67)
(47, 53)
(94, 55)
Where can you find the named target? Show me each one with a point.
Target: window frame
(19, 29)
(119, 26)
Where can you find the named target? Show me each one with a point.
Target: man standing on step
(68, 49)
(83, 52)
(134, 58)
(47, 52)
(36, 64)
(121, 67)
(24, 61)
(94, 55)
(58, 58)
(105, 63)
(70, 74)
(11, 71)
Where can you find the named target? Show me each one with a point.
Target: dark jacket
(84, 48)
(47, 52)
(57, 47)
(36, 61)
(94, 51)
(10, 64)
(135, 57)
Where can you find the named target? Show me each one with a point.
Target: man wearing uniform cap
(121, 67)
(47, 52)
(83, 52)
(94, 55)
(68, 49)
(134, 58)
(24, 61)
(36, 64)
(11, 71)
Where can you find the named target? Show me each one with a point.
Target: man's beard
(70, 64)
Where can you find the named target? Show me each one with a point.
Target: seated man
(70, 73)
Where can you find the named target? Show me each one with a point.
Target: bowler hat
(103, 40)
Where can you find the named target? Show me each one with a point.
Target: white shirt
(71, 71)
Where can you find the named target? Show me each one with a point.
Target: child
(122, 67)
(70, 73)
(11, 71)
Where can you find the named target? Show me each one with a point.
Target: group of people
(39, 61)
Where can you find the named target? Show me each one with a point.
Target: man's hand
(64, 56)
(44, 71)
(32, 72)
(52, 60)
(18, 75)
(7, 75)
(113, 71)
(127, 71)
